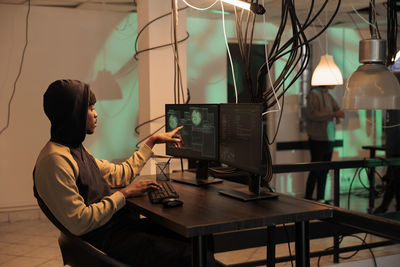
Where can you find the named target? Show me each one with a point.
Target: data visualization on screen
(200, 132)
(200, 139)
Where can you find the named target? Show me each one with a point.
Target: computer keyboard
(166, 191)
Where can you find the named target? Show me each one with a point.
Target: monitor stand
(199, 178)
(255, 191)
(247, 196)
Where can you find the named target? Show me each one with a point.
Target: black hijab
(66, 105)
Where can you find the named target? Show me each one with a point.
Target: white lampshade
(372, 86)
(326, 72)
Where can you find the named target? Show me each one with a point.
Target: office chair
(75, 251)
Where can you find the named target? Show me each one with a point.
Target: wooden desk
(206, 212)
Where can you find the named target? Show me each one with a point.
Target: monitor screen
(241, 145)
(200, 132)
(241, 137)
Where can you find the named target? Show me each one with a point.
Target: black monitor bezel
(261, 168)
(180, 155)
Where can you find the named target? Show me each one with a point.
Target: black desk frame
(264, 213)
(371, 176)
(336, 166)
(202, 245)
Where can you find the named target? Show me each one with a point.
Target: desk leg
(271, 246)
(336, 187)
(203, 254)
(371, 178)
(336, 244)
(302, 244)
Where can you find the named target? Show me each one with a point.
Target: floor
(31, 243)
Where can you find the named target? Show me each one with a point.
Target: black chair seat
(77, 252)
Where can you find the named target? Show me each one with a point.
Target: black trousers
(140, 243)
(392, 190)
(320, 151)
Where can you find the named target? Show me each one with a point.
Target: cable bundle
(244, 35)
(297, 48)
(391, 31)
(293, 48)
(178, 84)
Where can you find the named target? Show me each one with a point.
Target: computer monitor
(200, 139)
(241, 145)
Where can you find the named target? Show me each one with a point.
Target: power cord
(351, 184)
(366, 245)
(160, 46)
(142, 140)
(152, 120)
(19, 69)
(291, 48)
(288, 244)
(329, 248)
(147, 25)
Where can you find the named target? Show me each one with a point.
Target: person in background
(76, 187)
(322, 112)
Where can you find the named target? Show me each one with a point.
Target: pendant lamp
(326, 72)
(253, 7)
(372, 86)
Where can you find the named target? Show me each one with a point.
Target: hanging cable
(178, 83)
(173, 44)
(145, 138)
(146, 122)
(373, 25)
(292, 48)
(361, 17)
(229, 53)
(391, 31)
(268, 68)
(160, 46)
(200, 8)
(19, 69)
(147, 25)
(279, 123)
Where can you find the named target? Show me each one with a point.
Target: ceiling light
(372, 86)
(255, 8)
(326, 72)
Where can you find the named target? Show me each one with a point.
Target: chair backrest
(75, 251)
(48, 213)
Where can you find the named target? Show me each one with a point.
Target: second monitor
(242, 145)
(200, 138)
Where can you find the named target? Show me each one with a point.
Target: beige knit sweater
(56, 173)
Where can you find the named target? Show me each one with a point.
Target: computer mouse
(172, 202)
